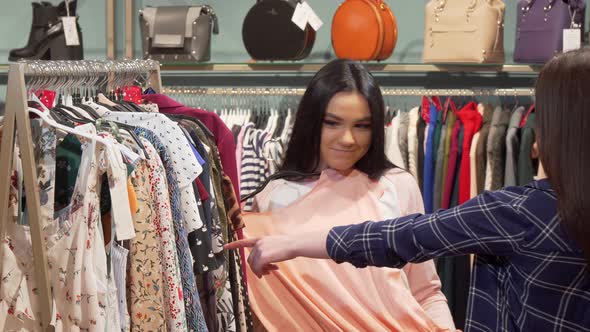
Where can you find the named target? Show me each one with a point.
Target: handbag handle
(208, 10)
(439, 9)
(572, 4)
(470, 7)
(530, 4)
(294, 2)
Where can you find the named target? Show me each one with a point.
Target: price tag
(300, 16)
(312, 18)
(70, 30)
(571, 39)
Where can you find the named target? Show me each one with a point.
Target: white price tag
(300, 16)
(70, 30)
(571, 39)
(313, 19)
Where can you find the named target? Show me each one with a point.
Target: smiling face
(346, 132)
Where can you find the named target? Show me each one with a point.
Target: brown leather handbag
(364, 30)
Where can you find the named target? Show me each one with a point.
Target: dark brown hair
(303, 151)
(563, 128)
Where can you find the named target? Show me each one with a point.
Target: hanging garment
(452, 167)
(473, 166)
(193, 311)
(224, 139)
(440, 160)
(119, 257)
(414, 115)
(513, 147)
(421, 130)
(224, 283)
(497, 149)
(185, 165)
(172, 287)
(471, 120)
(473, 156)
(457, 176)
(320, 295)
(482, 143)
(449, 124)
(404, 122)
(231, 221)
(200, 241)
(392, 150)
(254, 164)
(525, 160)
(437, 134)
(429, 160)
(75, 252)
(240, 150)
(145, 282)
(454, 283)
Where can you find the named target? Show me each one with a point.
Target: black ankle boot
(43, 14)
(49, 37)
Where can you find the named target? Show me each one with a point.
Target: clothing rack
(386, 91)
(62, 75)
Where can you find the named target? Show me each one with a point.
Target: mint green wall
(15, 23)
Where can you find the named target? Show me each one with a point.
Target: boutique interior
(221, 82)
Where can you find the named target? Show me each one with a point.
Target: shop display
(464, 31)
(269, 33)
(178, 33)
(364, 30)
(144, 194)
(540, 25)
(47, 38)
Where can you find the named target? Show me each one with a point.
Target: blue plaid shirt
(528, 274)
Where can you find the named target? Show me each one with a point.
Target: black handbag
(177, 33)
(269, 34)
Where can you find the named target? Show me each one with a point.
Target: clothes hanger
(44, 116)
(114, 129)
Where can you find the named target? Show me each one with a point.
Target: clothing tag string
(573, 13)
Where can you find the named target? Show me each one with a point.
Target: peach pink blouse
(320, 295)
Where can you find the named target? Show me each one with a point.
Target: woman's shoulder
(399, 177)
(280, 193)
(405, 187)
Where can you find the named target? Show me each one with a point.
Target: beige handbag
(466, 31)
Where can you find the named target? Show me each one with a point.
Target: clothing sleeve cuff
(361, 245)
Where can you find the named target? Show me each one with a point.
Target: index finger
(245, 243)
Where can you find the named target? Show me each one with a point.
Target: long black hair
(303, 151)
(562, 125)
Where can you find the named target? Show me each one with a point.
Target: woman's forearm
(312, 245)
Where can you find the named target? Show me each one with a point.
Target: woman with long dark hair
(335, 172)
(531, 243)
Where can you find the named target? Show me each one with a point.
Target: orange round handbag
(364, 30)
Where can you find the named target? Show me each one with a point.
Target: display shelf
(313, 67)
(376, 67)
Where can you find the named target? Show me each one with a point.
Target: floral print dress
(76, 258)
(156, 224)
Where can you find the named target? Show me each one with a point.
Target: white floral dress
(75, 251)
